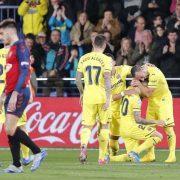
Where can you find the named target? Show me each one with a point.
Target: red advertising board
(56, 122)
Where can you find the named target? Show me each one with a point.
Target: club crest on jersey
(8, 67)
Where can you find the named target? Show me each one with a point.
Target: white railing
(73, 79)
(8, 12)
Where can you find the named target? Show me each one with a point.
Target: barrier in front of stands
(55, 122)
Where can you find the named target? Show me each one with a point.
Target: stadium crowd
(59, 32)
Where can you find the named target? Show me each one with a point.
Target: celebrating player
(17, 97)
(134, 129)
(160, 104)
(118, 86)
(96, 68)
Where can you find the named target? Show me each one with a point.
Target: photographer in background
(33, 12)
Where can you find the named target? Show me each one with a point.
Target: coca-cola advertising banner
(56, 122)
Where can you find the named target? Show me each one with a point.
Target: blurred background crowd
(59, 32)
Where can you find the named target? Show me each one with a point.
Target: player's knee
(169, 131)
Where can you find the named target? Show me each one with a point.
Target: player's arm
(129, 92)
(140, 120)
(107, 81)
(79, 83)
(24, 63)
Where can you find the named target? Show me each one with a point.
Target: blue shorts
(22, 102)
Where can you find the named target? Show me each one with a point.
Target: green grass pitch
(64, 165)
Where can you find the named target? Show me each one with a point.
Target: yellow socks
(114, 146)
(85, 136)
(172, 144)
(149, 143)
(103, 143)
(120, 158)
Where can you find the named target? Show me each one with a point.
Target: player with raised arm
(96, 68)
(160, 104)
(134, 129)
(17, 97)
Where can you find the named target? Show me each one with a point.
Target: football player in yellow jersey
(22, 122)
(160, 104)
(134, 129)
(118, 86)
(96, 68)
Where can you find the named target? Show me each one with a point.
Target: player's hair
(135, 69)
(30, 36)
(8, 23)
(99, 41)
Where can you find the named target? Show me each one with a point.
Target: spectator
(39, 52)
(71, 67)
(137, 33)
(55, 63)
(33, 13)
(141, 54)
(59, 21)
(158, 42)
(80, 33)
(157, 21)
(29, 41)
(124, 55)
(174, 21)
(89, 6)
(150, 7)
(109, 47)
(109, 23)
(131, 9)
(170, 64)
(173, 5)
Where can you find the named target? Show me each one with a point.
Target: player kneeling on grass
(134, 129)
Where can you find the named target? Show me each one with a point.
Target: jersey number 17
(90, 71)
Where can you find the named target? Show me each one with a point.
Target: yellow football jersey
(3, 54)
(157, 81)
(129, 105)
(118, 84)
(93, 66)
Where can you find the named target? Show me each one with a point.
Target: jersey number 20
(124, 108)
(90, 70)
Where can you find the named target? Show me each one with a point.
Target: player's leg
(171, 136)
(15, 134)
(88, 120)
(14, 144)
(130, 144)
(167, 106)
(146, 134)
(150, 155)
(103, 138)
(114, 133)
